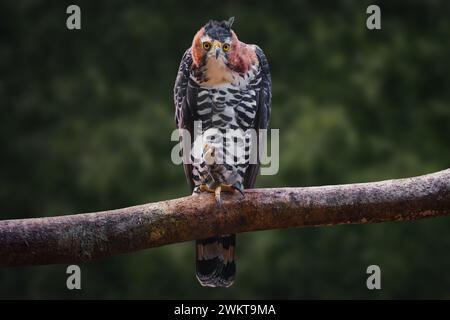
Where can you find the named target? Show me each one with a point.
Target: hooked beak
(217, 46)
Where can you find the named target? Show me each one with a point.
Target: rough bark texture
(83, 237)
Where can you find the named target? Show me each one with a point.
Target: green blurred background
(86, 118)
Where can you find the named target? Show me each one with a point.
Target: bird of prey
(223, 84)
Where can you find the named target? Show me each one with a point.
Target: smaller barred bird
(224, 84)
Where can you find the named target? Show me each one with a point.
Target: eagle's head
(213, 41)
(217, 52)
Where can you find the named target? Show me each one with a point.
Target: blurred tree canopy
(87, 117)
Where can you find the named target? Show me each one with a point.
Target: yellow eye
(226, 47)
(206, 45)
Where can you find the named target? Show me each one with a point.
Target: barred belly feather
(223, 108)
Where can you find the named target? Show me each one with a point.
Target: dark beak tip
(217, 53)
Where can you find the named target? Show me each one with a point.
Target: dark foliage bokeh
(86, 118)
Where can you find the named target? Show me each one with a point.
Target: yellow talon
(217, 191)
(205, 188)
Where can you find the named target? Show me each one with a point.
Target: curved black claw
(238, 187)
(196, 190)
(217, 192)
(218, 203)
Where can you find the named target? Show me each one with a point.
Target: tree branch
(84, 237)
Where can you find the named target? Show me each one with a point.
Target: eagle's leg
(233, 187)
(223, 187)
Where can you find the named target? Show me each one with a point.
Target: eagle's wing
(184, 97)
(262, 113)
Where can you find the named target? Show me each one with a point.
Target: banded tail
(215, 261)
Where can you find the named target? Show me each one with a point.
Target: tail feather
(215, 264)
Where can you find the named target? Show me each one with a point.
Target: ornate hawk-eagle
(222, 84)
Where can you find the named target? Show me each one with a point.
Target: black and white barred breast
(222, 109)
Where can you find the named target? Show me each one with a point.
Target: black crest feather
(226, 24)
(219, 29)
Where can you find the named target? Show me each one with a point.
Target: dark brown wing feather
(184, 97)
(262, 114)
